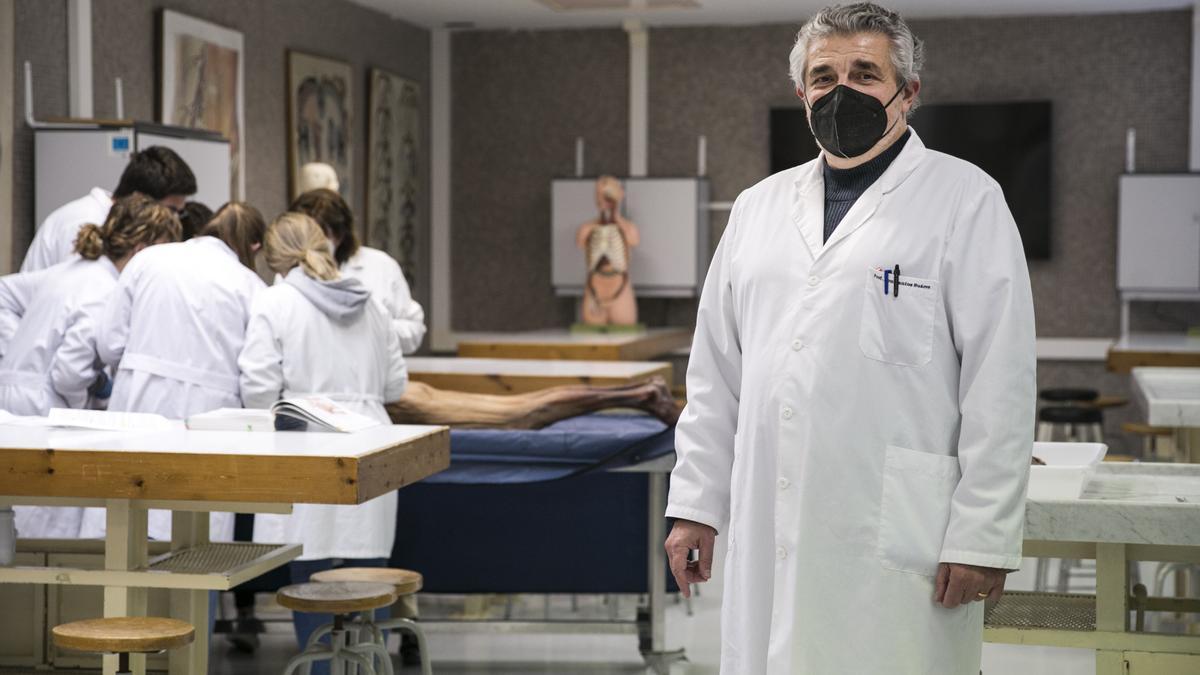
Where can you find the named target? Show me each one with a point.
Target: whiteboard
(672, 218)
(1158, 233)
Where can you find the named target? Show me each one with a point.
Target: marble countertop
(1124, 503)
(1170, 397)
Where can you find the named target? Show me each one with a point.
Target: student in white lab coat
(378, 271)
(156, 172)
(861, 390)
(293, 325)
(174, 328)
(49, 361)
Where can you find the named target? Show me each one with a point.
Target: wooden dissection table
(192, 473)
(1168, 350)
(518, 376)
(563, 344)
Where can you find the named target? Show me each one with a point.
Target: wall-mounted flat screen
(1010, 141)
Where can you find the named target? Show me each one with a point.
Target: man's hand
(685, 536)
(960, 584)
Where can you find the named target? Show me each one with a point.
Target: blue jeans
(306, 624)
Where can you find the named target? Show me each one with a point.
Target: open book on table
(300, 413)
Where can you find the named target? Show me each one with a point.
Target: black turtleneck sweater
(843, 187)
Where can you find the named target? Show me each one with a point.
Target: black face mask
(847, 122)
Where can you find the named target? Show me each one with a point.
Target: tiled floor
(513, 654)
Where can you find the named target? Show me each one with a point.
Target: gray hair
(908, 53)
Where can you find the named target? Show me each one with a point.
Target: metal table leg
(125, 548)
(189, 529)
(1112, 603)
(654, 635)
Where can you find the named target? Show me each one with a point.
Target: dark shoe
(244, 636)
(410, 653)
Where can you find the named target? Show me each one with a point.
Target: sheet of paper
(9, 419)
(107, 420)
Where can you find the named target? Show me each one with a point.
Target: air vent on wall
(580, 5)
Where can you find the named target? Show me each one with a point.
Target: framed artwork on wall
(320, 118)
(203, 84)
(393, 168)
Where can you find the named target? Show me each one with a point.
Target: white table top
(530, 367)
(563, 336)
(227, 466)
(1170, 397)
(1158, 342)
(1129, 503)
(278, 444)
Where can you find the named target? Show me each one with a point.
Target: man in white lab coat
(861, 389)
(156, 172)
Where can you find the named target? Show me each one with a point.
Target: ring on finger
(981, 596)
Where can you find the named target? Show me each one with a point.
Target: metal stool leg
(306, 658)
(361, 660)
(410, 626)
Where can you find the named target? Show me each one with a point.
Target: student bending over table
(48, 330)
(292, 327)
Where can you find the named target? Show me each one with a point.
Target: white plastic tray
(1068, 467)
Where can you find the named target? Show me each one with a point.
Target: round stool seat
(124, 635)
(406, 582)
(341, 597)
(1066, 395)
(1070, 415)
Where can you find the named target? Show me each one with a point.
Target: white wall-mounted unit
(1158, 233)
(71, 160)
(672, 218)
(1158, 240)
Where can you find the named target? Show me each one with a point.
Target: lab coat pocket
(898, 327)
(915, 509)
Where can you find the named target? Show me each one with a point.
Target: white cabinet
(1158, 233)
(69, 161)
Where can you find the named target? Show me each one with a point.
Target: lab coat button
(814, 280)
(787, 413)
(781, 553)
(784, 483)
(797, 345)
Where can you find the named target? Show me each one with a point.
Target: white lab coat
(54, 241)
(287, 353)
(845, 441)
(50, 359)
(382, 276)
(175, 325)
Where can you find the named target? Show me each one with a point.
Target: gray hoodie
(341, 299)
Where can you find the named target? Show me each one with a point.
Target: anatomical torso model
(608, 297)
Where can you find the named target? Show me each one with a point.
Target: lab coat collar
(808, 201)
(215, 243)
(108, 266)
(355, 262)
(101, 196)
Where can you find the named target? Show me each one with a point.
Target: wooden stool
(1157, 442)
(339, 599)
(124, 636)
(406, 583)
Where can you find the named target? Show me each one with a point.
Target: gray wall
(125, 44)
(520, 98)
